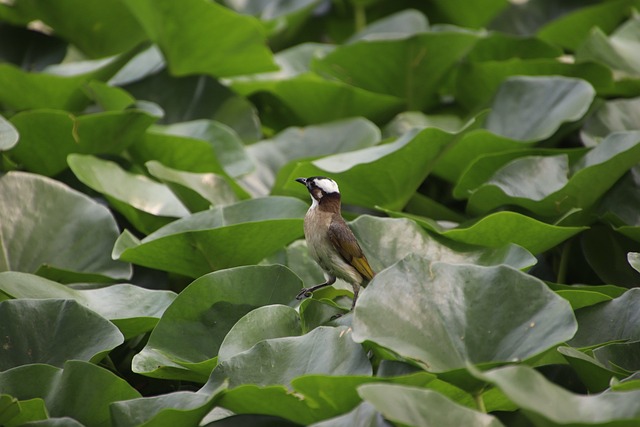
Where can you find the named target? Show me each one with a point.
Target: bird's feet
(304, 293)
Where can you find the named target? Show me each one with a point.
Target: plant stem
(564, 262)
(480, 402)
(359, 15)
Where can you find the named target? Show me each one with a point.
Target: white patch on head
(327, 185)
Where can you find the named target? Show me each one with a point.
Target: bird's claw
(304, 294)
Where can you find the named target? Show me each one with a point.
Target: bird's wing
(345, 243)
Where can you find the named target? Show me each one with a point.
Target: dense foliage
(151, 228)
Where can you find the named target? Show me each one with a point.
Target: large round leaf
(548, 404)
(37, 232)
(414, 68)
(204, 37)
(449, 318)
(81, 391)
(325, 350)
(312, 141)
(418, 407)
(618, 319)
(183, 408)
(188, 337)
(147, 204)
(268, 322)
(48, 136)
(385, 175)
(134, 310)
(201, 243)
(52, 331)
(550, 186)
(533, 108)
(387, 240)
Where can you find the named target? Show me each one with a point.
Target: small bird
(330, 241)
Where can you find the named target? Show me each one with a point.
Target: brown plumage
(331, 242)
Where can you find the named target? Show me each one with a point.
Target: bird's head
(320, 187)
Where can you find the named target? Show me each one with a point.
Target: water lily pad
(419, 407)
(325, 350)
(81, 391)
(449, 318)
(533, 108)
(53, 331)
(539, 398)
(186, 341)
(75, 250)
(133, 309)
(200, 243)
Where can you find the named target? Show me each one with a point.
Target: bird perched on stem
(330, 241)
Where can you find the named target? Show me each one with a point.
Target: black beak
(302, 181)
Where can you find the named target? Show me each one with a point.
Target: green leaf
(591, 372)
(110, 98)
(452, 319)
(47, 137)
(502, 228)
(606, 253)
(634, 260)
(318, 397)
(618, 319)
(9, 408)
(225, 142)
(539, 399)
(178, 408)
(472, 148)
(533, 108)
(186, 341)
(499, 46)
(325, 350)
(615, 115)
(308, 99)
(363, 415)
(386, 241)
(190, 98)
(399, 25)
(620, 356)
(312, 141)
(414, 68)
(185, 153)
(615, 51)
(197, 191)
(81, 391)
(204, 37)
(571, 29)
(31, 240)
(548, 186)
(99, 29)
(268, 322)
(386, 175)
(147, 204)
(200, 243)
(582, 298)
(60, 87)
(418, 407)
(8, 135)
(53, 331)
(134, 310)
(477, 82)
(462, 13)
(484, 166)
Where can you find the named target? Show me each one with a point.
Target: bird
(330, 241)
